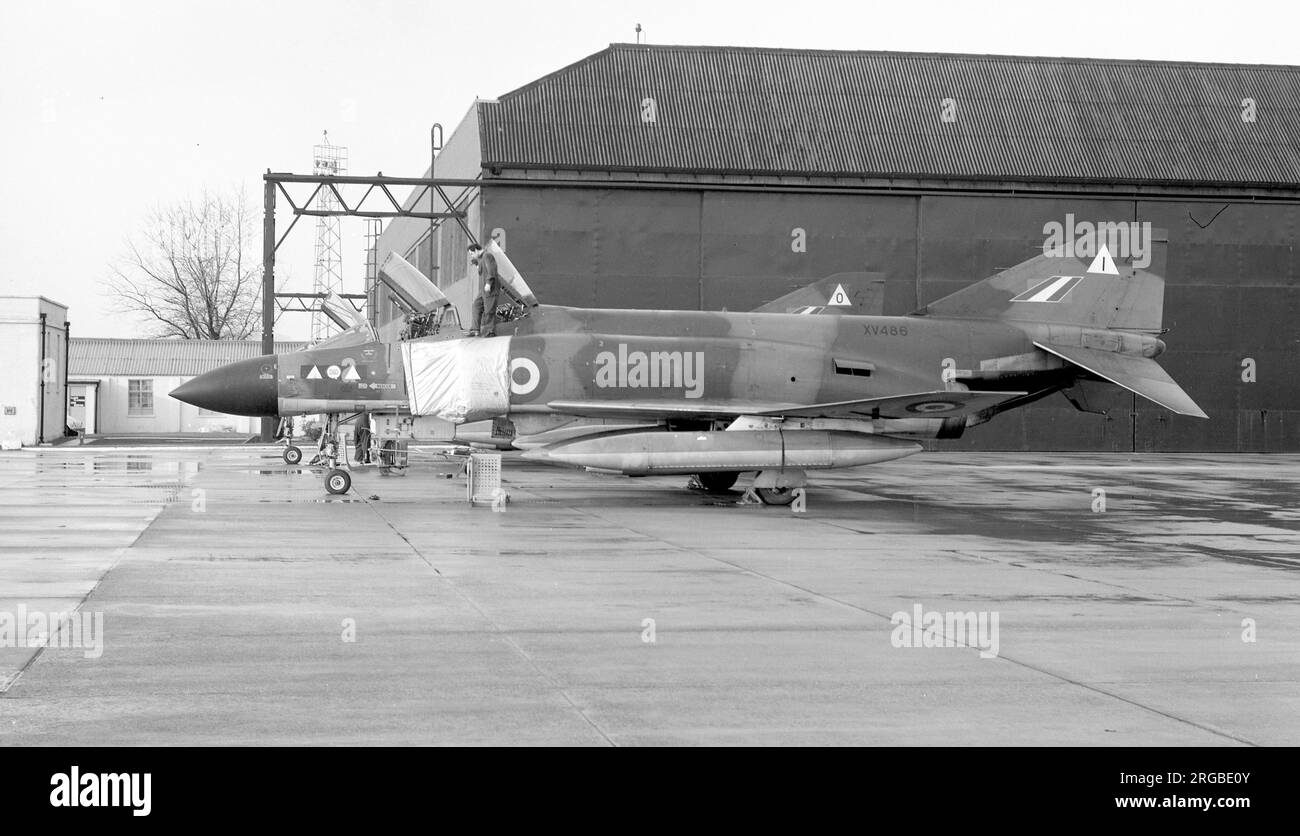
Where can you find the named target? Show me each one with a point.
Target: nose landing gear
(292, 453)
(337, 478)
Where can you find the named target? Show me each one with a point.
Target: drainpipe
(67, 359)
(435, 145)
(40, 419)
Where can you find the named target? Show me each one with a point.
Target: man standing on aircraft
(485, 306)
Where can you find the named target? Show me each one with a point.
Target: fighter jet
(719, 394)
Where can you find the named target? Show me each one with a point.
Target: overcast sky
(112, 108)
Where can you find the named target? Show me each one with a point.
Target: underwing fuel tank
(653, 453)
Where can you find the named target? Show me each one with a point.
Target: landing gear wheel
(292, 455)
(338, 481)
(718, 481)
(775, 496)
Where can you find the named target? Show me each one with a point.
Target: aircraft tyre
(292, 455)
(775, 496)
(338, 481)
(718, 481)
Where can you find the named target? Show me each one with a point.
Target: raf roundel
(525, 376)
(932, 407)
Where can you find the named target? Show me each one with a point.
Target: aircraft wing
(1140, 375)
(940, 404)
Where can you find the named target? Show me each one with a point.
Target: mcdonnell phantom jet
(719, 394)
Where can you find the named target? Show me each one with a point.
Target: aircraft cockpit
(519, 300)
(427, 309)
(430, 323)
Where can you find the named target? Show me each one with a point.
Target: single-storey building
(121, 386)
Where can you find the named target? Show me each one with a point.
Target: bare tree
(194, 271)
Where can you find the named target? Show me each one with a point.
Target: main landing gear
(719, 481)
(779, 487)
(771, 487)
(338, 481)
(775, 496)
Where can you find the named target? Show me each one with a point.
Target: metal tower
(330, 160)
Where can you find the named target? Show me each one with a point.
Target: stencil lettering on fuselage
(651, 370)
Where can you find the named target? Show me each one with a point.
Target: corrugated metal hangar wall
(702, 208)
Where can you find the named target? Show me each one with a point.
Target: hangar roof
(98, 356)
(738, 110)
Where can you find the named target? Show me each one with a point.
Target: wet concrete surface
(229, 581)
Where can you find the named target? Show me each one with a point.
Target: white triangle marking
(351, 374)
(1103, 263)
(314, 374)
(839, 298)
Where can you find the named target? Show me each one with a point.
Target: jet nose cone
(247, 387)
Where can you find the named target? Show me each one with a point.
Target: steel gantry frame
(379, 189)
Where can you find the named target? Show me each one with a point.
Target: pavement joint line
(1001, 657)
(118, 554)
(496, 627)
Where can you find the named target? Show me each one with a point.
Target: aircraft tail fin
(1098, 290)
(860, 294)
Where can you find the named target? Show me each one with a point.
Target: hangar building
(717, 177)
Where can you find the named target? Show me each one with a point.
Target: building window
(207, 413)
(139, 396)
